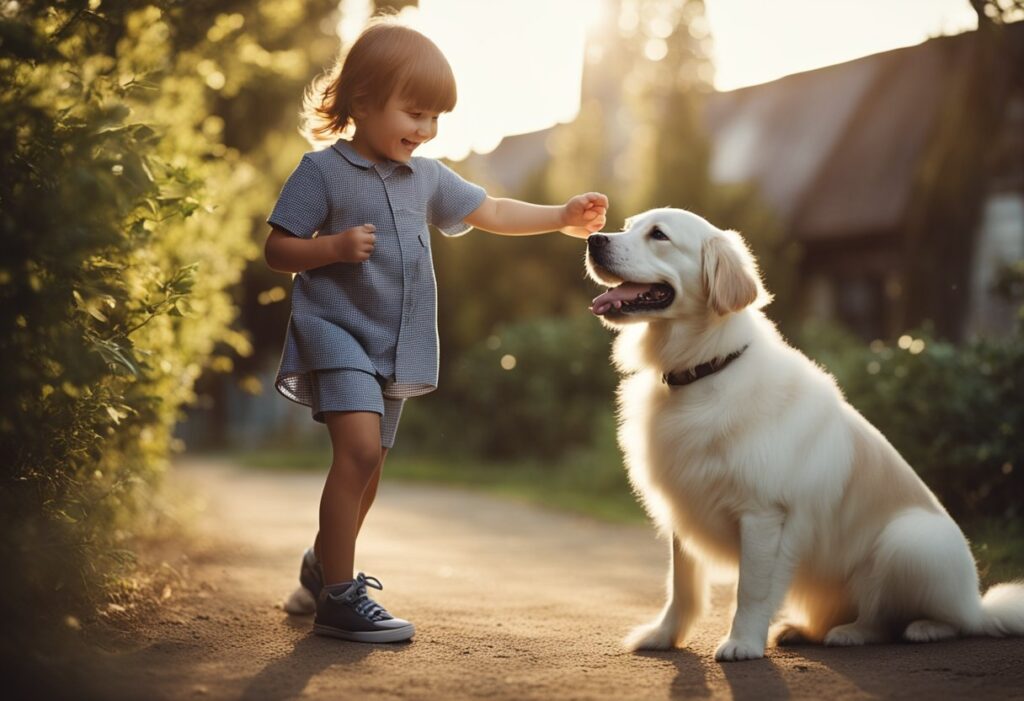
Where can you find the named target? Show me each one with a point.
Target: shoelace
(363, 604)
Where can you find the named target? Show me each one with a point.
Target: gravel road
(511, 602)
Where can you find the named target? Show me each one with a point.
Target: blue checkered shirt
(379, 316)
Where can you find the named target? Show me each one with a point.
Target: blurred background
(871, 152)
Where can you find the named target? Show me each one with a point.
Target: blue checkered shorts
(355, 390)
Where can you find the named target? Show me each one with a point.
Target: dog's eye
(658, 235)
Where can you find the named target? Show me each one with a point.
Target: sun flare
(519, 65)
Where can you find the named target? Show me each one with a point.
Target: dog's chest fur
(728, 444)
(674, 448)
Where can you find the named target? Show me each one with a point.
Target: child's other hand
(584, 214)
(356, 244)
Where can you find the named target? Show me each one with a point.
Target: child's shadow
(288, 675)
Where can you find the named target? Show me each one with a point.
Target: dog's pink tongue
(614, 297)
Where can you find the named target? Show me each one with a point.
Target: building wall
(999, 242)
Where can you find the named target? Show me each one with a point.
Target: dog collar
(685, 377)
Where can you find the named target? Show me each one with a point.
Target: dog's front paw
(300, 603)
(652, 636)
(733, 650)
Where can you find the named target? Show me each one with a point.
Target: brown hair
(387, 58)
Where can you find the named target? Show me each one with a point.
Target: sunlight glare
(519, 67)
(354, 15)
(655, 49)
(756, 41)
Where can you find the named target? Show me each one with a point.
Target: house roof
(516, 159)
(836, 151)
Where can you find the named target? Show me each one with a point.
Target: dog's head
(672, 264)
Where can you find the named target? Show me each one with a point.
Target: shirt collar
(385, 168)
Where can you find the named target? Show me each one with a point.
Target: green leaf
(114, 414)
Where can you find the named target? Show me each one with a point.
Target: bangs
(427, 82)
(388, 60)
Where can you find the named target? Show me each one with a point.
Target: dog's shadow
(748, 681)
(755, 679)
(287, 676)
(916, 670)
(690, 680)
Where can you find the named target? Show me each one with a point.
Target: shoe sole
(392, 635)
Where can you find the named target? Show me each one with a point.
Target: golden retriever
(745, 452)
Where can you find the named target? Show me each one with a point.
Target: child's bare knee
(357, 458)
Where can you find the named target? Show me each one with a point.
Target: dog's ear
(730, 275)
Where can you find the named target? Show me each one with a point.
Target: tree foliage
(998, 11)
(640, 138)
(537, 389)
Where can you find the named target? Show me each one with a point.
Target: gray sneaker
(346, 611)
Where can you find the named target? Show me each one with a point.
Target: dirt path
(510, 601)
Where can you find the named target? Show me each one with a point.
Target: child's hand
(354, 245)
(584, 214)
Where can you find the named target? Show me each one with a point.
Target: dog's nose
(595, 241)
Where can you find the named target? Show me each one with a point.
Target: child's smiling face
(394, 131)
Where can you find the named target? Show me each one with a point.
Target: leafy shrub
(954, 412)
(534, 389)
(114, 279)
(136, 136)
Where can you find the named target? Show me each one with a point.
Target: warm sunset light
(757, 41)
(504, 90)
(718, 396)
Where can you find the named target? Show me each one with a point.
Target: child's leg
(371, 490)
(368, 496)
(355, 437)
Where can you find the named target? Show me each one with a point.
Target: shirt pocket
(424, 260)
(413, 231)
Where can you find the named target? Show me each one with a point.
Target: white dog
(746, 452)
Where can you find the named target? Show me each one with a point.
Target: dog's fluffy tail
(300, 602)
(1002, 611)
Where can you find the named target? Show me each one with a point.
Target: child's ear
(730, 275)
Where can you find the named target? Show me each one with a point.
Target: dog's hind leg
(925, 631)
(814, 608)
(788, 633)
(687, 591)
(861, 632)
(928, 577)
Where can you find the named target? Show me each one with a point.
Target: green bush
(546, 401)
(136, 138)
(954, 412)
(114, 283)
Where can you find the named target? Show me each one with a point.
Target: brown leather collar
(686, 377)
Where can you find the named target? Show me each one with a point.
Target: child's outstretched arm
(580, 216)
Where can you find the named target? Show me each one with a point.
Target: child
(362, 337)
